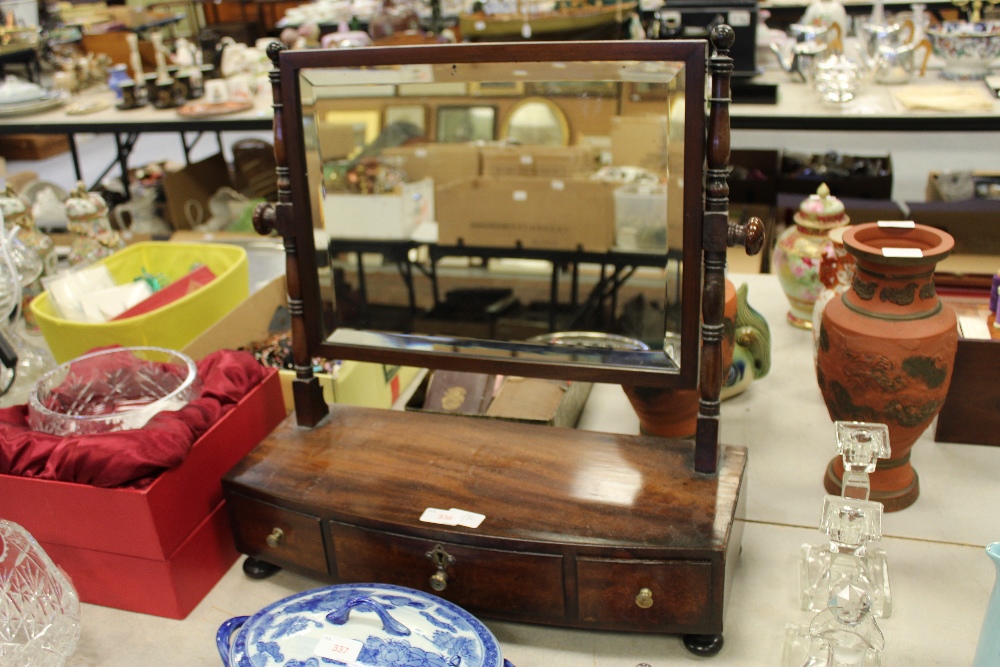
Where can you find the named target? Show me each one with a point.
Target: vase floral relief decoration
(887, 348)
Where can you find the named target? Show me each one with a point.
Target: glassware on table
(112, 390)
(24, 267)
(39, 608)
(843, 633)
(852, 525)
(861, 444)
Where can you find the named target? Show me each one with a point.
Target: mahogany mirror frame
(706, 235)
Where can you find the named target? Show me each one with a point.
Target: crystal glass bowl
(967, 48)
(112, 390)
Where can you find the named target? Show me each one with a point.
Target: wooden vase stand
(582, 529)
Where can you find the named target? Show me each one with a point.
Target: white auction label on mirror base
(452, 517)
(339, 649)
(897, 224)
(902, 252)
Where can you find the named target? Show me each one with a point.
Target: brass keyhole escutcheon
(441, 559)
(275, 538)
(644, 599)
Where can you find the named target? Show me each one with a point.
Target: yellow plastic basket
(172, 326)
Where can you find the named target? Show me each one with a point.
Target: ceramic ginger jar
(17, 212)
(799, 250)
(93, 238)
(887, 348)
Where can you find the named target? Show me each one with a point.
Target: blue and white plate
(359, 624)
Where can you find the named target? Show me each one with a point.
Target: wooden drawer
(680, 593)
(300, 544)
(509, 584)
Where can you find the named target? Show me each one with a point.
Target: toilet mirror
(510, 191)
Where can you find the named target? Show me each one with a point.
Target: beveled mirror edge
(298, 233)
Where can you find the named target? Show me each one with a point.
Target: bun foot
(704, 645)
(258, 569)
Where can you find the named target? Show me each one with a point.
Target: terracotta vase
(887, 348)
(799, 249)
(673, 413)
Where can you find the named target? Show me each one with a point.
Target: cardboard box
(356, 382)
(973, 223)
(156, 550)
(542, 161)
(527, 400)
(443, 163)
(641, 218)
(554, 214)
(32, 146)
(793, 180)
(188, 190)
(640, 141)
(388, 216)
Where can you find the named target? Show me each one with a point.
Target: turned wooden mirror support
(583, 529)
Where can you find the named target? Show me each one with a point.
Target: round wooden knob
(439, 580)
(275, 538)
(644, 600)
(749, 235)
(264, 218)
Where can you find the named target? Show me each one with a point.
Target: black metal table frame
(127, 132)
(622, 265)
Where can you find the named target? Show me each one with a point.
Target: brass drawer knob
(644, 599)
(275, 538)
(439, 580)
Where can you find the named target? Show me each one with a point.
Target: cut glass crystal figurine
(844, 633)
(848, 558)
(861, 444)
(39, 608)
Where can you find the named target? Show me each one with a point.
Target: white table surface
(941, 578)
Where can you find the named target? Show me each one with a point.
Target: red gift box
(156, 550)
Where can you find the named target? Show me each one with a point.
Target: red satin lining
(129, 458)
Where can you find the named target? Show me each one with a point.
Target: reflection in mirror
(462, 124)
(573, 219)
(536, 122)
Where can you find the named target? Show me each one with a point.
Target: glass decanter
(39, 608)
(852, 525)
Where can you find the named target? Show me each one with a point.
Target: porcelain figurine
(751, 347)
(799, 250)
(16, 212)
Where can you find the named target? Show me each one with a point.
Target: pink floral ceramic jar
(798, 253)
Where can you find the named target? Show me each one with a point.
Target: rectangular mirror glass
(480, 199)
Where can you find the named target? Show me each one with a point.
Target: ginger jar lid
(822, 211)
(14, 208)
(84, 206)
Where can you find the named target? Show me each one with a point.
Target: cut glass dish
(39, 608)
(112, 390)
